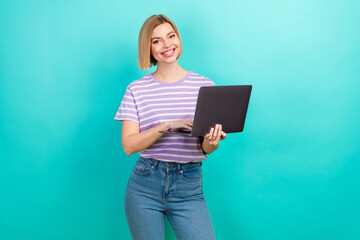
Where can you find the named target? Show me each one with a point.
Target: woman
(166, 180)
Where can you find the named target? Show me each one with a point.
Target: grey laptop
(226, 105)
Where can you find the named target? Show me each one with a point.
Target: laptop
(225, 105)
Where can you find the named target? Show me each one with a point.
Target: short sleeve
(211, 83)
(127, 109)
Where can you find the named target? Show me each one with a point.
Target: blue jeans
(157, 189)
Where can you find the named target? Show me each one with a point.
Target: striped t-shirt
(151, 102)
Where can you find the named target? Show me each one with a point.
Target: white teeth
(168, 53)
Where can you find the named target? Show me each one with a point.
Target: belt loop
(154, 167)
(180, 171)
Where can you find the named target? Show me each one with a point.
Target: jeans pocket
(192, 174)
(142, 168)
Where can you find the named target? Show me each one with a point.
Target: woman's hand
(215, 135)
(184, 123)
(212, 139)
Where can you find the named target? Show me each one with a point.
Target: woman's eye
(154, 42)
(172, 36)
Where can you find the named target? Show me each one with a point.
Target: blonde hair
(145, 58)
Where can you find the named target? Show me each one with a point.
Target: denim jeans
(157, 189)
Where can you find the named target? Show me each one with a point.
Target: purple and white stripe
(150, 102)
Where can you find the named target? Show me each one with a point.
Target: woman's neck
(170, 72)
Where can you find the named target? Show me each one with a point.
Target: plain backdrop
(292, 174)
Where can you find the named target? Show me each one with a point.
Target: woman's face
(165, 44)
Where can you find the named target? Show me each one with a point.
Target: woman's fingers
(218, 134)
(216, 131)
(190, 122)
(211, 133)
(223, 135)
(215, 135)
(185, 123)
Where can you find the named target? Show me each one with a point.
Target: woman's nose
(166, 43)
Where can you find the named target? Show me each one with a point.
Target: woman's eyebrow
(166, 35)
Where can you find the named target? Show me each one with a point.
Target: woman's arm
(135, 141)
(212, 139)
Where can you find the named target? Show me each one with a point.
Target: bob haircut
(145, 58)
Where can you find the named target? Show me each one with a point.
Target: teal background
(292, 174)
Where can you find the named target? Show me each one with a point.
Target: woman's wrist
(165, 126)
(207, 147)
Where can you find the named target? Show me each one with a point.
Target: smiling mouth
(168, 52)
